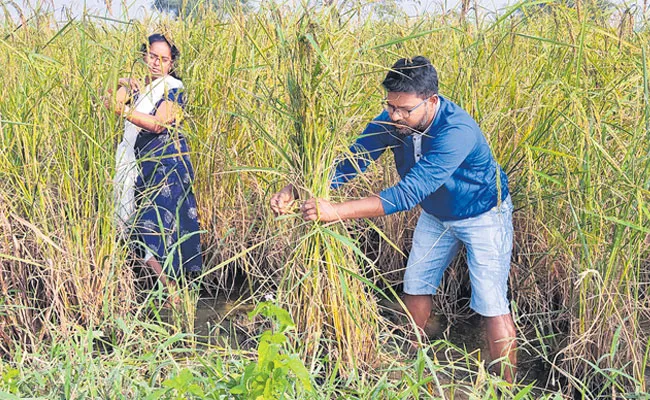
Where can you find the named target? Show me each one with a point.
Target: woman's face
(159, 59)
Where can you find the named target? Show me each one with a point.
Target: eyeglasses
(161, 59)
(405, 113)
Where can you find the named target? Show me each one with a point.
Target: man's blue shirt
(449, 170)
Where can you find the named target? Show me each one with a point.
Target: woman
(155, 204)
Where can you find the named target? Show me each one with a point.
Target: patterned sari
(154, 196)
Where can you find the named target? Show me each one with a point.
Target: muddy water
(467, 333)
(222, 321)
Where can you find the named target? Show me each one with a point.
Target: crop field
(276, 95)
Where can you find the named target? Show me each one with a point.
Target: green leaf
(153, 327)
(8, 396)
(300, 371)
(239, 389)
(196, 390)
(523, 392)
(156, 394)
(270, 310)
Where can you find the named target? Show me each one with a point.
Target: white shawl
(126, 170)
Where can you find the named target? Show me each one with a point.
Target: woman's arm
(166, 114)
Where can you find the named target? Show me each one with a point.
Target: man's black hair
(412, 75)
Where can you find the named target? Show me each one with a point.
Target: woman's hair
(158, 37)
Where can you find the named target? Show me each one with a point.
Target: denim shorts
(488, 240)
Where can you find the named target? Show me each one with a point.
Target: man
(446, 166)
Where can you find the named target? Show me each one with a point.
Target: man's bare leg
(502, 342)
(419, 306)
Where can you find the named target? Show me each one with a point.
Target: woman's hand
(131, 83)
(115, 102)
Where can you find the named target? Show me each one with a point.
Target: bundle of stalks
(321, 282)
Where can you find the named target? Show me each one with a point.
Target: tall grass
(321, 280)
(275, 97)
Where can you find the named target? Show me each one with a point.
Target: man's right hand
(281, 201)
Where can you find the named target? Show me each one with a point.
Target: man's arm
(423, 179)
(431, 172)
(325, 211)
(367, 148)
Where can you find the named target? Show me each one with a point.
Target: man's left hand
(319, 210)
